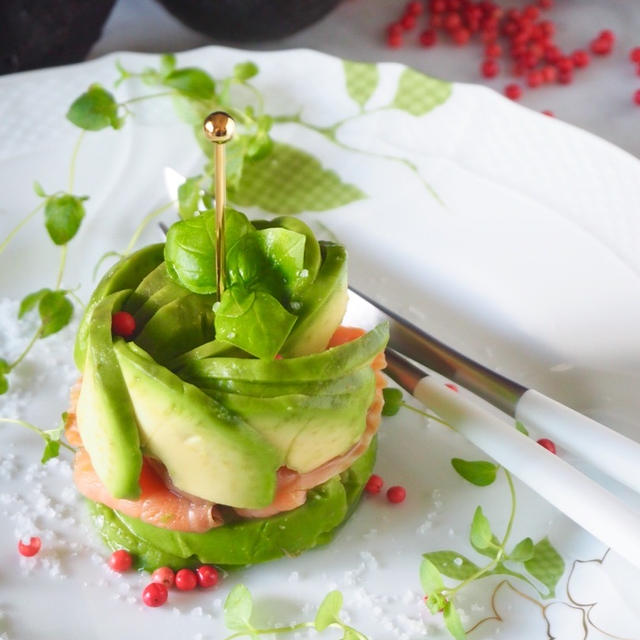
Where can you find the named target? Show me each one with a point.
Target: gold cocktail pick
(219, 127)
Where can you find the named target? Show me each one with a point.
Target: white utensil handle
(580, 498)
(604, 448)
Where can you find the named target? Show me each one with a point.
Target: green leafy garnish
(51, 437)
(546, 565)
(393, 400)
(328, 611)
(480, 534)
(94, 110)
(63, 215)
(478, 472)
(188, 197)
(56, 311)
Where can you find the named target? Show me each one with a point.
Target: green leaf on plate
(244, 71)
(5, 367)
(62, 217)
(546, 565)
(452, 564)
(478, 472)
(51, 450)
(328, 610)
(289, 180)
(490, 551)
(480, 534)
(523, 551)
(55, 311)
(453, 622)
(38, 189)
(430, 577)
(521, 428)
(237, 608)
(417, 93)
(167, 63)
(30, 301)
(188, 197)
(94, 110)
(392, 401)
(361, 80)
(191, 82)
(4, 384)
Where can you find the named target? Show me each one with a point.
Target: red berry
(123, 324)
(531, 12)
(547, 444)
(535, 79)
(30, 548)
(513, 91)
(394, 29)
(428, 38)
(396, 494)
(155, 594)
(634, 54)
(394, 40)
(580, 58)
(438, 6)
(601, 46)
(493, 50)
(545, 4)
(565, 65)
(461, 36)
(636, 99)
(435, 21)
(565, 77)
(452, 21)
(608, 35)
(547, 27)
(549, 73)
(374, 484)
(120, 560)
(164, 575)
(490, 68)
(408, 21)
(414, 8)
(207, 576)
(548, 112)
(186, 580)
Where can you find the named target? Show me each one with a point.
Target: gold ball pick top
(219, 128)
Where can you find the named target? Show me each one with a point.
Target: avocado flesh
(326, 365)
(125, 274)
(170, 292)
(323, 306)
(208, 451)
(149, 285)
(178, 326)
(247, 541)
(206, 350)
(308, 430)
(106, 419)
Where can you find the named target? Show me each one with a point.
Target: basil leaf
(453, 622)
(478, 472)
(191, 82)
(254, 321)
(62, 217)
(328, 610)
(188, 197)
(480, 534)
(55, 311)
(244, 71)
(546, 565)
(237, 608)
(94, 110)
(392, 401)
(30, 301)
(523, 551)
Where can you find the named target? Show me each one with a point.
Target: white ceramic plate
(526, 260)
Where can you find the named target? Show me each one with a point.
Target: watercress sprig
(238, 609)
(51, 437)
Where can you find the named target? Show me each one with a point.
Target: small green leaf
(30, 301)
(361, 79)
(546, 565)
(4, 384)
(453, 622)
(244, 71)
(39, 191)
(94, 110)
(392, 401)
(51, 450)
(328, 610)
(430, 577)
(55, 311)
(192, 82)
(188, 197)
(478, 472)
(523, 551)
(62, 217)
(435, 602)
(452, 564)
(491, 551)
(521, 428)
(237, 608)
(480, 533)
(167, 63)
(289, 180)
(417, 93)
(259, 146)
(150, 76)
(5, 367)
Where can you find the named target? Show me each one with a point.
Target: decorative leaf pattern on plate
(361, 80)
(418, 94)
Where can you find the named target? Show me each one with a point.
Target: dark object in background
(45, 33)
(248, 20)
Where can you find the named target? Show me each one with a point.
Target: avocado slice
(243, 542)
(308, 430)
(326, 365)
(323, 304)
(106, 419)
(181, 325)
(208, 451)
(125, 274)
(170, 292)
(147, 287)
(206, 350)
